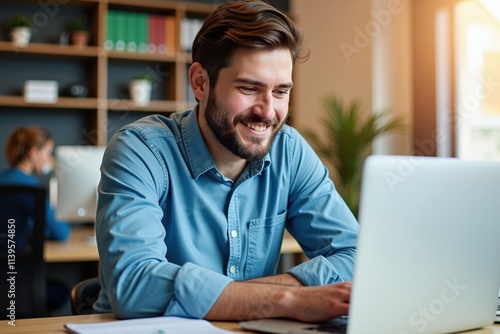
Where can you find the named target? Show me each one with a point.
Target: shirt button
(218, 174)
(234, 233)
(232, 269)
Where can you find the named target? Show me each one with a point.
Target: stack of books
(189, 28)
(140, 32)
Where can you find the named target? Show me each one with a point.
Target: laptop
(428, 253)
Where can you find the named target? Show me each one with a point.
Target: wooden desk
(79, 247)
(56, 325)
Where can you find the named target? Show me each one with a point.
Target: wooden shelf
(164, 5)
(62, 103)
(50, 50)
(105, 73)
(92, 103)
(153, 57)
(74, 3)
(154, 106)
(144, 4)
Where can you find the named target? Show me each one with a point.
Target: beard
(226, 134)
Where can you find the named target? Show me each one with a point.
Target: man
(192, 208)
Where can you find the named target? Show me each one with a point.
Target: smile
(256, 127)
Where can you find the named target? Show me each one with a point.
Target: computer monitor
(77, 175)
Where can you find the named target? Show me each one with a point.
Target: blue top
(172, 231)
(54, 229)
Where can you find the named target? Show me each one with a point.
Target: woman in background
(28, 151)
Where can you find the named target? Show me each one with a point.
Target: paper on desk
(156, 325)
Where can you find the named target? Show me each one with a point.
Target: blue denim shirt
(172, 231)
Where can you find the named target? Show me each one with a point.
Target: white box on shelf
(41, 91)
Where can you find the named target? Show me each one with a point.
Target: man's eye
(281, 92)
(248, 89)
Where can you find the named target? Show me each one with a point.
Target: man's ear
(198, 79)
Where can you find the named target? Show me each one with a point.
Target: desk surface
(56, 325)
(80, 248)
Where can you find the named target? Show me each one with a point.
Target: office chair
(83, 296)
(22, 236)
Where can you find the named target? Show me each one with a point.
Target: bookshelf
(104, 71)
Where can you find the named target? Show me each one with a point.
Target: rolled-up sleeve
(193, 299)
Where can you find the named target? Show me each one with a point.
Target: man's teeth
(257, 127)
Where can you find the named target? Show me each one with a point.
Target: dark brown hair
(22, 139)
(253, 25)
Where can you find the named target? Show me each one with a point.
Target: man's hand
(316, 303)
(252, 300)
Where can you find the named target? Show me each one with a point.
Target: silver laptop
(428, 256)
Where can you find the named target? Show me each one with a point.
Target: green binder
(142, 32)
(120, 42)
(109, 42)
(131, 31)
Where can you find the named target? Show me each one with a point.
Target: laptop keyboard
(329, 328)
(338, 326)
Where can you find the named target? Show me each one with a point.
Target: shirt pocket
(265, 236)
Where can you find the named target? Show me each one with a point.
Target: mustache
(253, 118)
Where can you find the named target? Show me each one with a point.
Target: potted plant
(20, 30)
(349, 137)
(79, 32)
(140, 89)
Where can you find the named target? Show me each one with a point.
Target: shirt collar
(199, 157)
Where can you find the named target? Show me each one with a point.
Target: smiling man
(247, 107)
(192, 208)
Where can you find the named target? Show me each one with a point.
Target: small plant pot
(80, 38)
(21, 36)
(140, 92)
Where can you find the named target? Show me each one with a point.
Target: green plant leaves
(349, 136)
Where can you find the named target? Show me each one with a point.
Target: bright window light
(492, 6)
